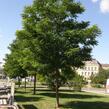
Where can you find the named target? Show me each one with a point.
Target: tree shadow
(21, 92)
(86, 105)
(21, 98)
(27, 106)
(70, 95)
(42, 90)
(66, 90)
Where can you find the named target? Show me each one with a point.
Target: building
(1, 71)
(90, 68)
(105, 66)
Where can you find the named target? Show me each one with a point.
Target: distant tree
(41, 78)
(101, 77)
(24, 58)
(77, 82)
(13, 69)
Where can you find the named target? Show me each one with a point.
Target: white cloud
(104, 6)
(94, 1)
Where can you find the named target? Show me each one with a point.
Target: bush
(101, 77)
(97, 85)
(18, 83)
(77, 83)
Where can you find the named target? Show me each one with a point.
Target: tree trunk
(57, 91)
(25, 84)
(57, 97)
(34, 90)
(19, 82)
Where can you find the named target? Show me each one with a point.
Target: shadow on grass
(27, 106)
(21, 92)
(21, 98)
(86, 105)
(70, 95)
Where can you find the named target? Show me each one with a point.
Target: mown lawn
(45, 99)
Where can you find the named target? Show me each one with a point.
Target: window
(95, 68)
(88, 68)
(88, 73)
(92, 73)
(91, 68)
(85, 73)
(85, 68)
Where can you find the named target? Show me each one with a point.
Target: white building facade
(90, 68)
(1, 71)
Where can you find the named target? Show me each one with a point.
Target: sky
(97, 12)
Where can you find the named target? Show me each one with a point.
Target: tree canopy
(12, 68)
(57, 40)
(101, 77)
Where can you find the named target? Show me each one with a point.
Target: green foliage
(41, 78)
(77, 82)
(97, 85)
(55, 37)
(52, 82)
(101, 77)
(12, 67)
(52, 41)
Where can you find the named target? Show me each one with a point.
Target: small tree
(101, 77)
(12, 68)
(77, 82)
(41, 78)
(24, 57)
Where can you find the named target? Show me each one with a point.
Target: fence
(7, 94)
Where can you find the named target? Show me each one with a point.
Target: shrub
(77, 82)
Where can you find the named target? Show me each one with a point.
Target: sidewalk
(95, 90)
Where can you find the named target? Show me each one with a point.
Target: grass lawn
(45, 99)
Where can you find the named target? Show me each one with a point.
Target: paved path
(95, 90)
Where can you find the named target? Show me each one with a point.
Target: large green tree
(58, 41)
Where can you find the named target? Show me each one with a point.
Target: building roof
(93, 61)
(105, 65)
